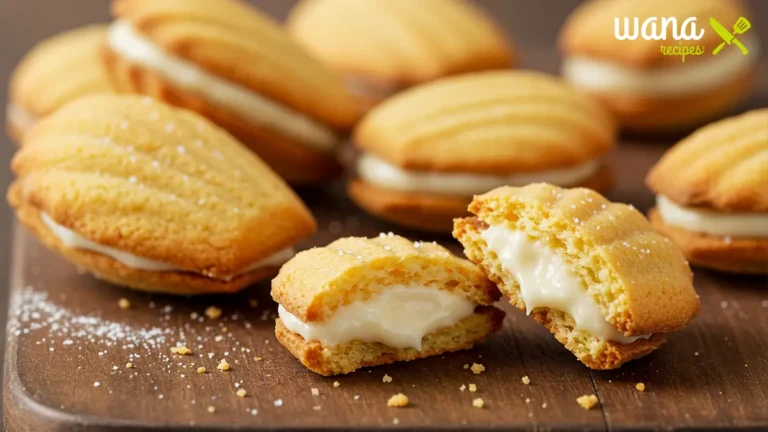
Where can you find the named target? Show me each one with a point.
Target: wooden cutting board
(69, 342)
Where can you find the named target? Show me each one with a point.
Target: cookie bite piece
(385, 46)
(237, 67)
(155, 198)
(427, 151)
(712, 194)
(370, 301)
(593, 272)
(630, 54)
(56, 71)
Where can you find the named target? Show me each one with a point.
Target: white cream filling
(711, 221)
(249, 105)
(400, 316)
(685, 78)
(379, 172)
(546, 282)
(19, 116)
(73, 240)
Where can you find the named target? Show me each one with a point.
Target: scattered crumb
(241, 393)
(129, 365)
(473, 388)
(336, 384)
(386, 379)
(181, 350)
(587, 401)
(201, 369)
(211, 409)
(526, 380)
(640, 387)
(527, 400)
(124, 303)
(223, 365)
(478, 403)
(466, 366)
(544, 405)
(224, 329)
(258, 358)
(317, 407)
(213, 312)
(96, 384)
(356, 397)
(398, 401)
(254, 303)
(477, 368)
(395, 420)
(463, 387)
(315, 392)
(278, 402)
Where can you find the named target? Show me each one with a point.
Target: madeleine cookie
(225, 60)
(56, 71)
(594, 273)
(427, 151)
(385, 46)
(364, 302)
(154, 198)
(712, 194)
(647, 89)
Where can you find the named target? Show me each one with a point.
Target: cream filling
(400, 316)
(546, 282)
(687, 78)
(711, 221)
(379, 172)
(19, 116)
(249, 105)
(73, 240)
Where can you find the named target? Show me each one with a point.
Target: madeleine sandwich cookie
(154, 198)
(225, 60)
(385, 46)
(712, 194)
(645, 88)
(593, 272)
(54, 72)
(427, 151)
(364, 302)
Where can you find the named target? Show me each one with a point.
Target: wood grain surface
(71, 332)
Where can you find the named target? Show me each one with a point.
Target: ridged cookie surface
(723, 166)
(233, 40)
(317, 281)
(589, 31)
(501, 121)
(60, 69)
(157, 182)
(400, 41)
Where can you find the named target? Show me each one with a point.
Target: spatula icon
(741, 26)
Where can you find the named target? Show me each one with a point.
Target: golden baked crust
(639, 279)
(348, 357)
(431, 212)
(157, 182)
(488, 122)
(735, 255)
(428, 39)
(589, 31)
(317, 281)
(721, 166)
(235, 41)
(58, 70)
(295, 162)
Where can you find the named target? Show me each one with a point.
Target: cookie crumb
(398, 401)
(129, 365)
(477, 368)
(336, 384)
(463, 387)
(254, 303)
(587, 401)
(211, 409)
(478, 403)
(473, 388)
(201, 369)
(241, 393)
(526, 380)
(315, 392)
(317, 407)
(124, 303)
(466, 366)
(181, 350)
(386, 379)
(213, 312)
(640, 386)
(258, 358)
(278, 402)
(223, 365)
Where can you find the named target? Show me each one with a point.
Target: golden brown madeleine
(407, 300)
(646, 88)
(712, 194)
(154, 198)
(428, 150)
(54, 72)
(385, 46)
(225, 60)
(593, 272)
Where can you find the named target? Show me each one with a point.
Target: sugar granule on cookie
(398, 401)
(477, 368)
(587, 401)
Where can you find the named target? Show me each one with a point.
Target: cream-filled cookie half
(595, 273)
(364, 302)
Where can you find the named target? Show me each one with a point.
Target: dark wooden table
(71, 332)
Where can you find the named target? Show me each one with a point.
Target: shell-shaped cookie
(400, 41)
(723, 166)
(157, 182)
(317, 281)
(589, 31)
(233, 40)
(639, 279)
(60, 69)
(501, 121)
